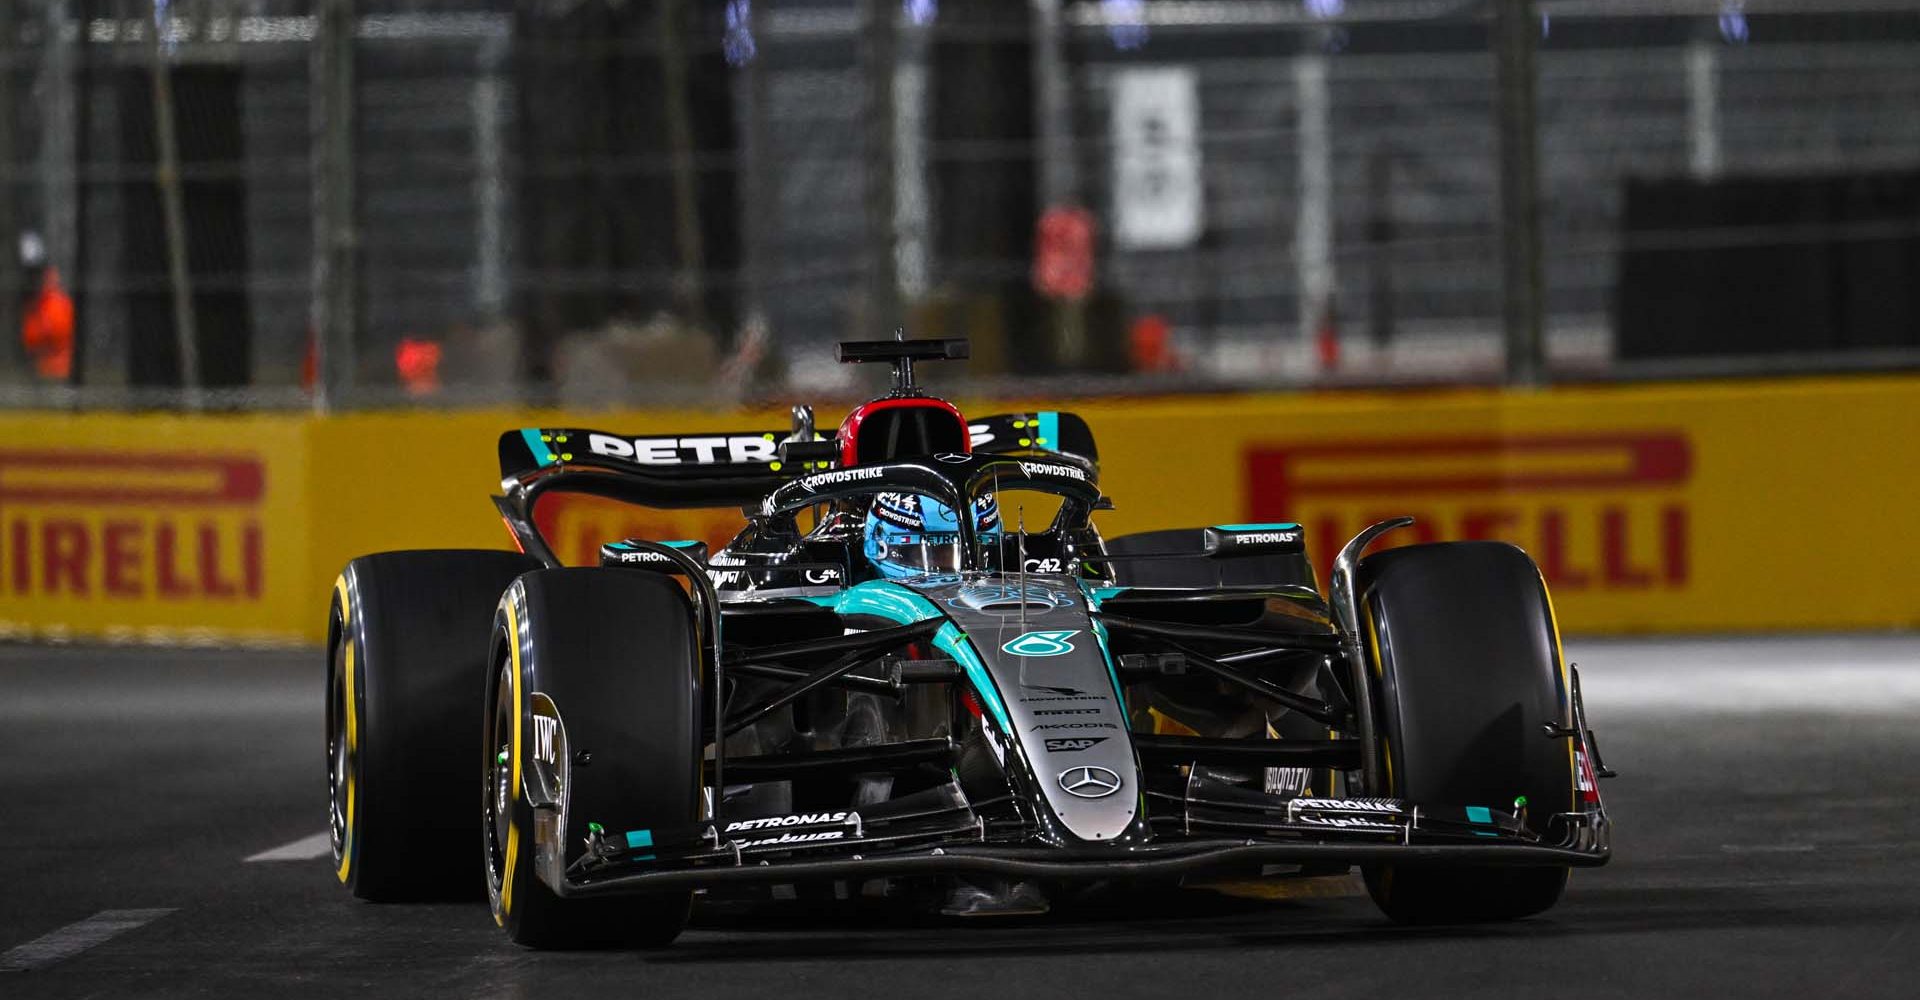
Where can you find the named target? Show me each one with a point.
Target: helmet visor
(916, 553)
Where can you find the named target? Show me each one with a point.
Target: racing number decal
(1052, 643)
(544, 727)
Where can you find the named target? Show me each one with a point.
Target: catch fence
(353, 203)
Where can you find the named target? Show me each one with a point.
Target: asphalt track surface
(1767, 844)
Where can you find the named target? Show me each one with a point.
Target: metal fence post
(1057, 172)
(335, 274)
(166, 142)
(758, 173)
(689, 288)
(1515, 26)
(878, 24)
(10, 272)
(54, 87)
(1703, 108)
(80, 282)
(1313, 229)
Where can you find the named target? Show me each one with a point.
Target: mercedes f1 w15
(920, 667)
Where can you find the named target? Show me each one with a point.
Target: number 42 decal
(1052, 643)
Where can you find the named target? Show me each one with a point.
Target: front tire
(610, 659)
(1468, 670)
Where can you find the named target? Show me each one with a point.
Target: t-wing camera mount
(901, 354)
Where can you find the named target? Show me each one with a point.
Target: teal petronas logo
(1042, 643)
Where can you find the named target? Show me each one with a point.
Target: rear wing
(709, 469)
(740, 469)
(1053, 432)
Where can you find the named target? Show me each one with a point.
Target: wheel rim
(497, 782)
(339, 755)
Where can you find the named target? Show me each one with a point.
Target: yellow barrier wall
(1688, 507)
(154, 528)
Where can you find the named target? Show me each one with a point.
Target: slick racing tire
(1468, 671)
(407, 642)
(592, 722)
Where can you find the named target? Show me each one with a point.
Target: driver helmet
(910, 535)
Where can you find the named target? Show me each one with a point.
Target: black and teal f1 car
(920, 665)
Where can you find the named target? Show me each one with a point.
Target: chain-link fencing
(348, 203)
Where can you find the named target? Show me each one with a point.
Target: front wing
(1203, 828)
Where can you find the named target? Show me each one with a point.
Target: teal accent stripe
(881, 599)
(1049, 436)
(1099, 595)
(1287, 526)
(953, 642)
(1479, 814)
(680, 544)
(639, 838)
(896, 603)
(531, 435)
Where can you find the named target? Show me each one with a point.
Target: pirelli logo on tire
(1599, 512)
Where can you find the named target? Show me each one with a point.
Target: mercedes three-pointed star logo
(1089, 782)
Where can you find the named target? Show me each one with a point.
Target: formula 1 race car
(919, 667)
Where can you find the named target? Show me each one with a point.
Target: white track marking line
(307, 848)
(1853, 675)
(73, 939)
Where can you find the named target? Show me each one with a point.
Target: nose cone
(1047, 660)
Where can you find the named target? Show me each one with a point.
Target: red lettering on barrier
(1616, 567)
(22, 553)
(170, 585)
(576, 525)
(237, 482)
(140, 553)
(125, 559)
(120, 541)
(1553, 552)
(63, 556)
(211, 584)
(1673, 543)
(1577, 545)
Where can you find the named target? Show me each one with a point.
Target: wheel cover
(340, 756)
(496, 791)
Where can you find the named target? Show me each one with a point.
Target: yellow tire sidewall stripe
(1380, 675)
(513, 827)
(353, 728)
(1566, 686)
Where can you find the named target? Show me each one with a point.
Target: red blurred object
(1326, 340)
(46, 329)
(1149, 345)
(310, 364)
(418, 362)
(1063, 254)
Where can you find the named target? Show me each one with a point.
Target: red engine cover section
(886, 429)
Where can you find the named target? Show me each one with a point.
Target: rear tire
(614, 655)
(406, 653)
(1468, 670)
